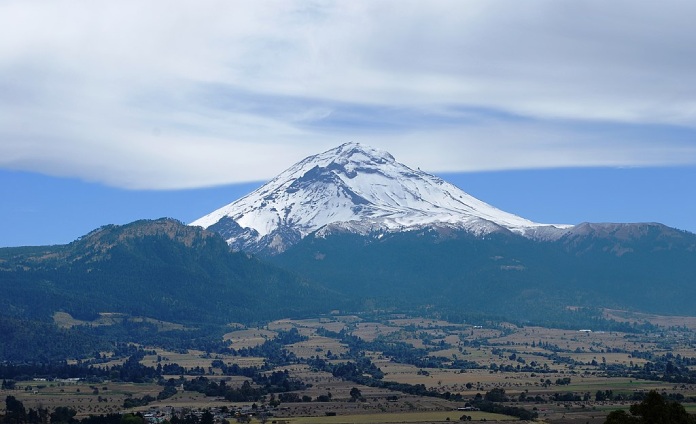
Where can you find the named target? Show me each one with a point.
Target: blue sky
(557, 111)
(48, 210)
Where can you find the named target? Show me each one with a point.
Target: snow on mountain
(359, 189)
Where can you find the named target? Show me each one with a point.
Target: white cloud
(169, 94)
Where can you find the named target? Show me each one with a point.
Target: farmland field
(416, 370)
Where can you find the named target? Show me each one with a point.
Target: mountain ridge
(160, 269)
(506, 273)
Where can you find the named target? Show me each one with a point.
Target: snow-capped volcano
(359, 189)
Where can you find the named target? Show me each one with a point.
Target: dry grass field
(197, 358)
(500, 351)
(317, 346)
(85, 398)
(240, 339)
(663, 321)
(65, 320)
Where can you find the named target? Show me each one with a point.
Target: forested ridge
(158, 269)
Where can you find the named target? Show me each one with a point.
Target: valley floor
(395, 368)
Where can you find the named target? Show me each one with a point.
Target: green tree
(621, 417)
(496, 395)
(15, 412)
(653, 409)
(63, 415)
(132, 419)
(207, 418)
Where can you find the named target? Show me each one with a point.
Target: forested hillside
(159, 269)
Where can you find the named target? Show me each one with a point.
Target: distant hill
(646, 267)
(160, 269)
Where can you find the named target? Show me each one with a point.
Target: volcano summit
(359, 189)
